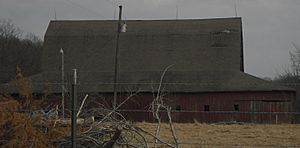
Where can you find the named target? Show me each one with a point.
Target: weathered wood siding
(259, 107)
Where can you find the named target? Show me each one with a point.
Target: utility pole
(117, 60)
(62, 83)
(74, 109)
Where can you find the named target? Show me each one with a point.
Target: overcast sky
(269, 25)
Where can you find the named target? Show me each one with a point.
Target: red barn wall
(261, 107)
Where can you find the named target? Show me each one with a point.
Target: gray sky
(269, 25)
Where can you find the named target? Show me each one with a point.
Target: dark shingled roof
(148, 45)
(174, 81)
(206, 54)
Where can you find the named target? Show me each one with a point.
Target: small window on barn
(218, 38)
(178, 108)
(206, 107)
(236, 107)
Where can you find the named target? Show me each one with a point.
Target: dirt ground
(234, 135)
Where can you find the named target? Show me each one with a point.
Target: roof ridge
(185, 19)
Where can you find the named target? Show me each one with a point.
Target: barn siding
(260, 107)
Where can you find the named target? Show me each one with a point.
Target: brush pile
(22, 125)
(30, 121)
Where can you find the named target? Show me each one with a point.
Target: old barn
(205, 83)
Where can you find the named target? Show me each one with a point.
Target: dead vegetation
(26, 123)
(21, 126)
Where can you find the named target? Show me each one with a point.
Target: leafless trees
(8, 30)
(292, 73)
(291, 76)
(295, 61)
(16, 49)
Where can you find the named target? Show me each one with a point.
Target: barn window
(206, 107)
(236, 107)
(178, 108)
(218, 38)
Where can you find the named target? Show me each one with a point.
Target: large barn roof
(148, 45)
(174, 81)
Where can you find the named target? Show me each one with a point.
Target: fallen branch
(172, 127)
(77, 115)
(109, 114)
(153, 136)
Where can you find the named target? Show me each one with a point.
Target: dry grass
(231, 135)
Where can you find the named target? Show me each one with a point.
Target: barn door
(255, 107)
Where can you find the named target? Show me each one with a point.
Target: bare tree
(8, 30)
(295, 61)
(9, 33)
(291, 74)
(17, 50)
(157, 106)
(291, 77)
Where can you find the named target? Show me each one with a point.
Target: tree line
(17, 49)
(291, 74)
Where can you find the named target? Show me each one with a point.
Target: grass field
(246, 135)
